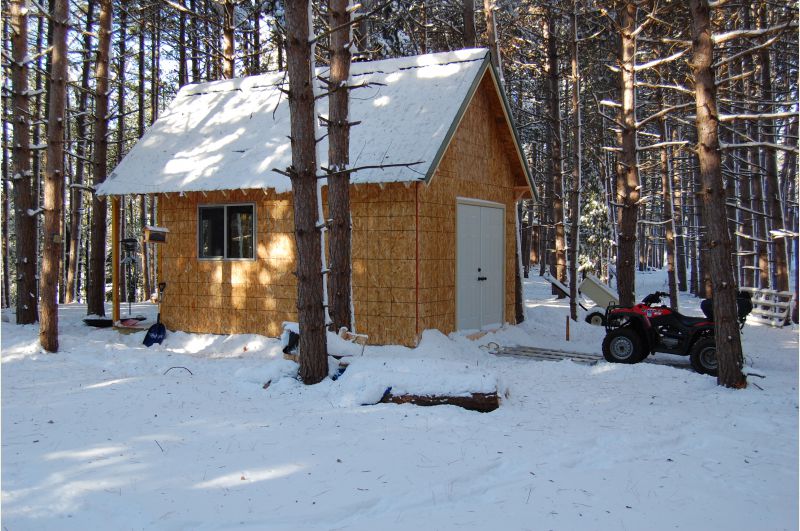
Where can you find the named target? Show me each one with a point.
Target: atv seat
(686, 320)
(744, 305)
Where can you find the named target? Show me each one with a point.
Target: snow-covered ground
(104, 435)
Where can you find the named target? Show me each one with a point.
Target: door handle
(481, 278)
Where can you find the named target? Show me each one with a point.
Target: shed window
(226, 231)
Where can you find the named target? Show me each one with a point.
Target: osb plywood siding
(384, 262)
(257, 296)
(480, 163)
(228, 296)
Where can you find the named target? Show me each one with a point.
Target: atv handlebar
(655, 298)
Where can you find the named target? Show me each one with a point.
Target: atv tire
(623, 345)
(704, 356)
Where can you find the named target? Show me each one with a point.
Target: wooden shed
(433, 242)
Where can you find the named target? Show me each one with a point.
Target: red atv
(634, 333)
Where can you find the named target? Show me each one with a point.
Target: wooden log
(483, 402)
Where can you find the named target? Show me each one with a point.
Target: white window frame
(224, 256)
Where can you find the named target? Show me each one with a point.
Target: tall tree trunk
(141, 71)
(6, 177)
(745, 245)
(155, 62)
(280, 45)
(338, 160)
(574, 195)
(362, 29)
(121, 80)
(790, 175)
(628, 184)
(468, 15)
(558, 268)
(679, 222)
(256, 68)
(81, 141)
(774, 209)
(87, 219)
(628, 172)
(155, 91)
(54, 179)
(641, 240)
(227, 39)
(489, 7)
(759, 261)
(41, 108)
(545, 214)
(668, 212)
(95, 296)
(193, 42)
(310, 308)
(519, 302)
(182, 76)
(24, 200)
(726, 327)
(210, 60)
(528, 252)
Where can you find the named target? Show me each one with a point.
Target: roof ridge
(412, 67)
(282, 73)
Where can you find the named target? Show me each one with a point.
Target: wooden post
(115, 258)
(567, 331)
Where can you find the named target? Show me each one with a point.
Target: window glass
(212, 232)
(240, 231)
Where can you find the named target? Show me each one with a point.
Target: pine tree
(338, 160)
(303, 174)
(718, 242)
(54, 179)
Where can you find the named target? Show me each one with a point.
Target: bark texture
(574, 192)
(228, 39)
(482, 402)
(780, 270)
(76, 201)
(6, 176)
(667, 215)
(489, 7)
(339, 158)
(470, 39)
(310, 309)
(95, 296)
(52, 242)
(558, 267)
(628, 171)
(22, 176)
(718, 242)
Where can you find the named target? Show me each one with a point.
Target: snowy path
(571, 447)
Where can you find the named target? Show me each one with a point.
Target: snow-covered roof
(231, 134)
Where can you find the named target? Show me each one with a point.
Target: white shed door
(479, 266)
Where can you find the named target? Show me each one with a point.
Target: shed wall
(257, 296)
(384, 262)
(228, 296)
(480, 163)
